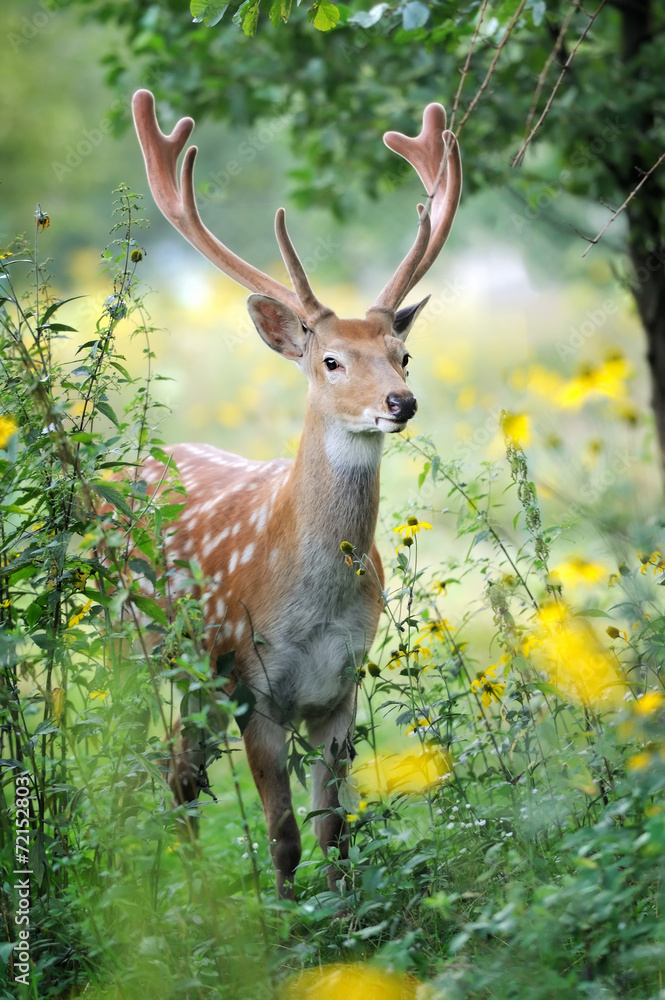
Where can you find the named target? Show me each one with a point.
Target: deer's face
(356, 368)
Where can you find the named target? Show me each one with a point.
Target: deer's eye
(330, 364)
(405, 360)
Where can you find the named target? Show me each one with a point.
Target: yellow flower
(78, 617)
(422, 723)
(412, 527)
(579, 572)
(655, 560)
(437, 629)
(639, 761)
(352, 982)
(8, 428)
(569, 652)
(606, 380)
(649, 702)
(517, 427)
(489, 688)
(99, 694)
(401, 773)
(440, 587)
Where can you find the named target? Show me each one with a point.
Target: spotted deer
(267, 535)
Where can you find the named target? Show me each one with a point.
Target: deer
(268, 535)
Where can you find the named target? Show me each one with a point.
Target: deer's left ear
(278, 325)
(405, 318)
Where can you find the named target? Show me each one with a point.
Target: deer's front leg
(264, 742)
(335, 734)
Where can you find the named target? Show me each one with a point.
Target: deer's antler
(435, 156)
(178, 205)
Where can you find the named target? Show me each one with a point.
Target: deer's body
(267, 535)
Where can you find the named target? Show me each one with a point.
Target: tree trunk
(649, 293)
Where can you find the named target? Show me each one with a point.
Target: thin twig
(546, 111)
(467, 63)
(618, 212)
(490, 71)
(548, 62)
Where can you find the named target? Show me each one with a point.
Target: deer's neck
(334, 486)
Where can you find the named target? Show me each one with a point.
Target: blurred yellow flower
(568, 651)
(401, 773)
(99, 694)
(466, 398)
(8, 428)
(608, 379)
(654, 559)
(58, 701)
(639, 761)
(230, 414)
(78, 617)
(487, 687)
(517, 427)
(350, 982)
(579, 572)
(649, 702)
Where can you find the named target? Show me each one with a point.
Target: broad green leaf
(326, 16)
(251, 18)
(414, 15)
(114, 497)
(210, 12)
(108, 411)
(150, 607)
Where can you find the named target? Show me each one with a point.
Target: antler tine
(178, 205)
(313, 308)
(399, 284)
(435, 156)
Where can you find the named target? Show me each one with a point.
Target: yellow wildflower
(569, 652)
(654, 559)
(639, 761)
(607, 379)
(353, 982)
(517, 427)
(649, 702)
(80, 613)
(8, 428)
(579, 572)
(412, 527)
(488, 688)
(407, 772)
(99, 694)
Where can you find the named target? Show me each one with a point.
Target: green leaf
(326, 16)
(144, 568)
(592, 613)
(414, 15)
(225, 663)
(280, 11)
(244, 698)
(108, 411)
(114, 497)
(210, 12)
(250, 18)
(150, 607)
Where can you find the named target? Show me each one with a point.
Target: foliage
(510, 843)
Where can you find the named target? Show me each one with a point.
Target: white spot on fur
(233, 561)
(247, 554)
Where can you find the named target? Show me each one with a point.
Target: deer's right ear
(279, 326)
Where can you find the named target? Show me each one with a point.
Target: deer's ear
(405, 318)
(278, 325)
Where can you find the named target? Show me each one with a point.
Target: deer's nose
(401, 407)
